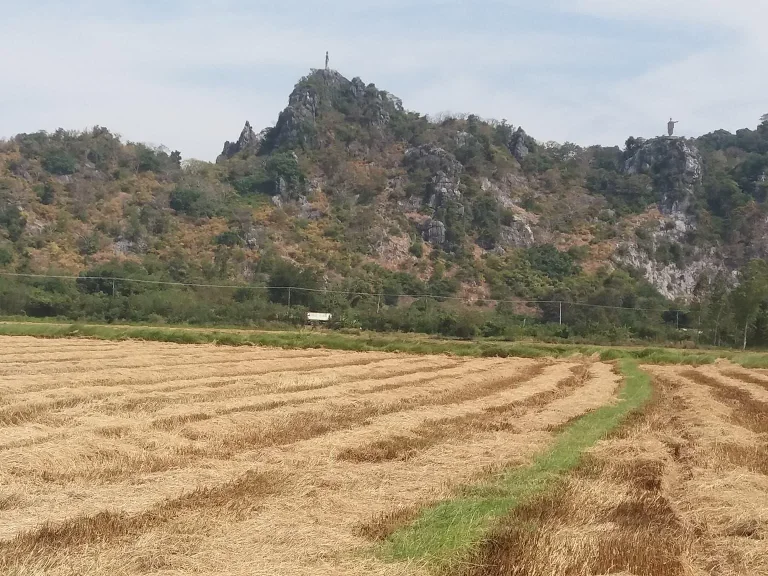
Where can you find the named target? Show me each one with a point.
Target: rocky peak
(675, 165)
(248, 141)
(325, 90)
(518, 145)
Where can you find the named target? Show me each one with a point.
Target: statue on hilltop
(671, 126)
(327, 61)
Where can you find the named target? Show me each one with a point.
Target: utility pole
(378, 305)
(113, 289)
(289, 296)
(698, 330)
(561, 313)
(677, 319)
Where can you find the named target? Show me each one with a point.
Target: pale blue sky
(187, 74)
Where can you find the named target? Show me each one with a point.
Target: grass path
(447, 532)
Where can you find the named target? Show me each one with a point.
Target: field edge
(380, 343)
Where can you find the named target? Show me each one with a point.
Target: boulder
(433, 232)
(307, 210)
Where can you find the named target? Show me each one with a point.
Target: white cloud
(741, 14)
(716, 87)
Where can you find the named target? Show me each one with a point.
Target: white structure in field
(318, 317)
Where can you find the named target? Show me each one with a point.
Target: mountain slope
(362, 195)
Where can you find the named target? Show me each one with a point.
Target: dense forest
(392, 220)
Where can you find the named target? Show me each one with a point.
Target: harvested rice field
(129, 458)
(681, 489)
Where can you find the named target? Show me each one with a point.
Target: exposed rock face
(445, 169)
(307, 211)
(675, 166)
(392, 101)
(254, 237)
(393, 250)
(518, 145)
(669, 279)
(296, 124)
(674, 279)
(518, 235)
(434, 232)
(464, 139)
(281, 188)
(124, 246)
(248, 140)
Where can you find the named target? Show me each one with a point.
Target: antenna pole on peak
(327, 60)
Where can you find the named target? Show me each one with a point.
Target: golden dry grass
(681, 489)
(236, 499)
(494, 418)
(133, 458)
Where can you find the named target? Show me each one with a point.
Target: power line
(324, 291)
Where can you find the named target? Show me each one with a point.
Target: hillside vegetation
(350, 192)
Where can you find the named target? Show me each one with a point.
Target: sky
(187, 74)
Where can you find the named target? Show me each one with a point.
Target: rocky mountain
(351, 185)
(662, 180)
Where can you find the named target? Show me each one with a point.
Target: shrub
(228, 238)
(46, 193)
(417, 248)
(551, 261)
(192, 202)
(6, 257)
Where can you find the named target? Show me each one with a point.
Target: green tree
(289, 284)
(486, 217)
(284, 165)
(6, 256)
(13, 220)
(751, 293)
(46, 193)
(194, 202)
(185, 200)
(549, 260)
(715, 304)
(148, 160)
(59, 162)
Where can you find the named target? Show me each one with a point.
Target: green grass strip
(371, 341)
(446, 532)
